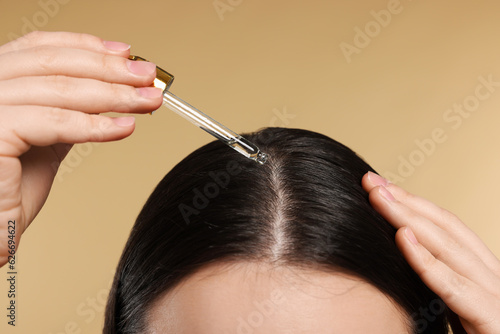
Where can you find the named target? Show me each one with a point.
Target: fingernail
(377, 180)
(386, 193)
(116, 46)
(150, 92)
(124, 121)
(141, 67)
(411, 236)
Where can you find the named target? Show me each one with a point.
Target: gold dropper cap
(163, 79)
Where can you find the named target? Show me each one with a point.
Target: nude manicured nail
(411, 236)
(150, 92)
(116, 46)
(386, 193)
(124, 121)
(377, 180)
(141, 67)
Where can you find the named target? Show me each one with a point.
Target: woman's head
(221, 236)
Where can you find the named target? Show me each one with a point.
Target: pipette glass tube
(213, 127)
(203, 121)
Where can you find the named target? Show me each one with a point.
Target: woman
(448, 257)
(301, 224)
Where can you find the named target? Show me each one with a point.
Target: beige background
(259, 60)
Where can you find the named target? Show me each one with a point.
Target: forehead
(255, 298)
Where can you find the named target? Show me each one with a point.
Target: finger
(87, 95)
(67, 40)
(42, 126)
(39, 167)
(371, 180)
(51, 60)
(438, 241)
(427, 209)
(441, 217)
(449, 223)
(476, 306)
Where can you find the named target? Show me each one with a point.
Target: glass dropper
(203, 121)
